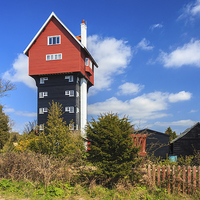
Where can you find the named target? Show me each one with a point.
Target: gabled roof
(45, 24)
(146, 130)
(185, 132)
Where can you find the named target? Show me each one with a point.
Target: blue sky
(148, 54)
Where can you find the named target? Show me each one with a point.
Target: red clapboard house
(63, 70)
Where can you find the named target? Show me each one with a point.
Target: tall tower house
(63, 70)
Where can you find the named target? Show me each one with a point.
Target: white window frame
(43, 110)
(43, 94)
(70, 93)
(87, 61)
(57, 56)
(42, 79)
(69, 109)
(70, 78)
(41, 127)
(71, 127)
(52, 37)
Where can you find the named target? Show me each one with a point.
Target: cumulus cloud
(181, 96)
(19, 72)
(156, 26)
(190, 11)
(144, 45)
(188, 54)
(129, 88)
(112, 56)
(186, 123)
(146, 106)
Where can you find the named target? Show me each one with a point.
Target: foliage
(4, 128)
(5, 86)
(171, 133)
(111, 147)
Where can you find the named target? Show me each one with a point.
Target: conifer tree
(111, 147)
(4, 128)
(171, 133)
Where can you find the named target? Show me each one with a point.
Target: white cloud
(146, 106)
(188, 54)
(19, 72)
(129, 88)
(9, 110)
(181, 96)
(112, 56)
(144, 45)
(190, 11)
(156, 26)
(186, 123)
(193, 111)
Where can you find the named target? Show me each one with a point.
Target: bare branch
(6, 86)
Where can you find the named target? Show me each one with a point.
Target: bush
(111, 148)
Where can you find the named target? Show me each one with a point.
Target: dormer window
(88, 62)
(43, 79)
(70, 78)
(52, 40)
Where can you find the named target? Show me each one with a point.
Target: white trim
(41, 29)
(69, 109)
(70, 93)
(57, 56)
(70, 78)
(54, 36)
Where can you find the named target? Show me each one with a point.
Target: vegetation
(171, 133)
(111, 148)
(5, 86)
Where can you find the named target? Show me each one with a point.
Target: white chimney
(84, 34)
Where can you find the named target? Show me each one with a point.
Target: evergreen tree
(4, 128)
(111, 147)
(171, 133)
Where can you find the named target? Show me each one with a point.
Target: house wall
(73, 56)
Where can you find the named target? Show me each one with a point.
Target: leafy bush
(111, 148)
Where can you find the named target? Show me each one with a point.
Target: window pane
(54, 40)
(59, 56)
(71, 79)
(71, 109)
(86, 61)
(56, 56)
(41, 95)
(71, 93)
(52, 57)
(50, 40)
(66, 109)
(58, 40)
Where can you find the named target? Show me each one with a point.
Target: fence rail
(176, 178)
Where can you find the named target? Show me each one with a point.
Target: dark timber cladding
(59, 88)
(187, 142)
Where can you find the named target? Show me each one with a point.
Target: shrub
(111, 148)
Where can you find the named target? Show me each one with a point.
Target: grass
(26, 190)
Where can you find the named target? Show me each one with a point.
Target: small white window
(77, 80)
(90, 64)
(43, 94)
(43, 79)
(43, 110)
(69, 109)
(71, 127)
(54, 56)
(77, 110)
(41, 127)
(70, 78)
(70, 93)
(86, 61)
(77, 94)
(52, 40)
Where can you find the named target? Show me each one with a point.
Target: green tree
(4, 128)
(171, 133)
(111, 147)
(57, 139)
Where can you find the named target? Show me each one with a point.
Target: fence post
(154, 174)
(179, 179)
(158, 175)
(168, 178)
(189, 179)
(163, 170)
(149, 172)
(174, 177)
(183, 179)
(194, 180)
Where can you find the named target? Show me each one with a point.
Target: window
(43, 110)
(71, 127)
(77, 80)
(90, 64)
(77, 94)
(43, 94)
(54, 56)
(77, 110)
(86, 61)
(43, 79)
(70, 93)
(70, 78)
(52, 40)
(41, 127)
(69, 109)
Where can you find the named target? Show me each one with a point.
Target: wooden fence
(175, 178)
